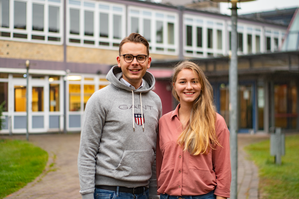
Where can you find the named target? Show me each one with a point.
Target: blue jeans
(209, 195)
(107, 194)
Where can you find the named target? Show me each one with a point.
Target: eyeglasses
(129, 58)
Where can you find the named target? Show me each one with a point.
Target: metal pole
(233, 104)
(27, 99)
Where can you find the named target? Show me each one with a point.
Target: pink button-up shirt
(180, 173)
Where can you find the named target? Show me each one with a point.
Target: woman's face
(187, 86)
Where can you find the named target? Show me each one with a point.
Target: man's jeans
(107, 194)
(209, 195)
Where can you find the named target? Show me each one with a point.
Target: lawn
(277, 181)
(20, 163)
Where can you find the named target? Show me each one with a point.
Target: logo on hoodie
(138, 119)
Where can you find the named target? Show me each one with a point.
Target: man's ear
(118, 61)
(149, 62)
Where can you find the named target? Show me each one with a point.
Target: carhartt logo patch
(138, 119)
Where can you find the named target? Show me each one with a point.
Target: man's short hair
(136, 38)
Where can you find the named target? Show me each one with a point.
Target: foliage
(277, 181)
(20, 163)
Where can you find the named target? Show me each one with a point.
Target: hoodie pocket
(135, 165)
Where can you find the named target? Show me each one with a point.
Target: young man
(119, 133)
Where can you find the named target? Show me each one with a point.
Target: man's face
(134, 71)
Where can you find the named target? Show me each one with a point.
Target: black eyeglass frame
(123, 55)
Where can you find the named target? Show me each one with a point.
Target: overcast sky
(259, 5)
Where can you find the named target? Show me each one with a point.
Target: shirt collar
(176, 111)
(129, 85)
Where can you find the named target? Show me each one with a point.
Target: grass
(20, 163)
(277, 181)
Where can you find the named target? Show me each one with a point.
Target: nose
(189, 85)
(134, 61)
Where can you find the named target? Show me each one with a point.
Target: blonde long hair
(199, 136)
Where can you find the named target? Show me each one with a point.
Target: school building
(69, 46)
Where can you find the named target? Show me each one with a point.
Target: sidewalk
(61, 180)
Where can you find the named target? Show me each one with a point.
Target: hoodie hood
(115, 74)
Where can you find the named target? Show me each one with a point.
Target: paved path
(60, 178)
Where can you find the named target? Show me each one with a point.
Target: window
(88, 91)
(74, 97)
(210, 38)
(20, 15)
(20, 98)
(4, 94)
(159, 32)
(104, 25)
(199, 36)
(170, 31)
(276, 44)
(54, 19)
(38, 17)
(117, 27)
(4, 13)
(257, 44)
(240, 42)
(88, 23)
(268, 43)
(54, 101)
(135, 24)
(147, 29)
(219, 39)
(189, 35)
(74, 21)
(249, 43)
(37, 99)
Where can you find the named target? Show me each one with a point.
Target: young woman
(193, 155)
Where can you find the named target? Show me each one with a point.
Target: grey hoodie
(118, 137)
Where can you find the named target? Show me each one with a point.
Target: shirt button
(179, 171)
(180, 156)
(179, 186)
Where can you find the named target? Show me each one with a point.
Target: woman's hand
(220, 197)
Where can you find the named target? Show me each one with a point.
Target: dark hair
(136, 38)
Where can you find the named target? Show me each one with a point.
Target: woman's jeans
(107, 194)
(209, 195)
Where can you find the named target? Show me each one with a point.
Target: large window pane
(249, 43)
(245, 107)
(74, 21)
(257, 44)
(37, 99)
(54, 19)
(20, 98)
(199, 36)
(276, 44)
(285, 105)
(134, 24)
(4, 94)
(74, 97)
(240, 42)
(147, 29)
(4, 13)
(88, 91)
(268, 43)
(104, 25)
(219, 39)
(170, 30)
(116, 27)
(88, 23)
(54, 98)
(159, 32)
(38, 17)
(189, 35)
(210, 38)
(20, 15)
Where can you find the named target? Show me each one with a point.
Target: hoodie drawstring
(142, 119)
(133, 118)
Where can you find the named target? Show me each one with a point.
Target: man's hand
(220, 197)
